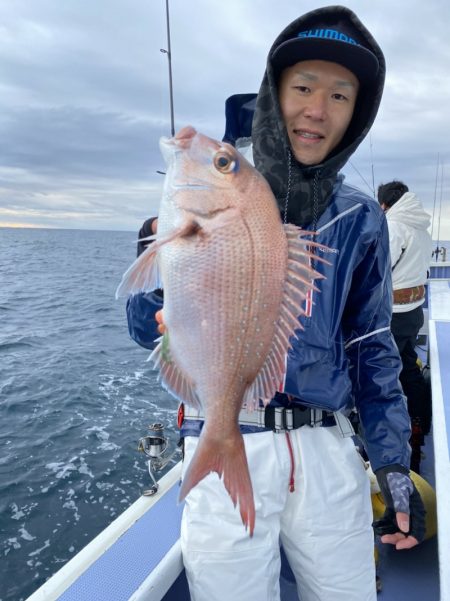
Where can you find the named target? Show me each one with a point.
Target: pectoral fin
(143, 275)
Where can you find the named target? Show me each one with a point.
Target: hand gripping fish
(235, 280)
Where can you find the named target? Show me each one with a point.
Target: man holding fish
(274, 334)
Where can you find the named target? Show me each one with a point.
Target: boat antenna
(168, 52)
(434, 206)
(440, 207)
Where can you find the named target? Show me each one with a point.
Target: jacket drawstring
(286, 200)
(291, 454)
(315, 200)
(315, 211)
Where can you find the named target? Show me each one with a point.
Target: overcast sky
(84, 99)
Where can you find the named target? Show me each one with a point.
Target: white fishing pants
(324, 525)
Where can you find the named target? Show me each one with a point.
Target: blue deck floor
(411, 575)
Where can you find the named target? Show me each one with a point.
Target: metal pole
(169, 58)
(434, 201)
(440, 206)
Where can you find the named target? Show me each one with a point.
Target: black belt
(278, 419)
(291, 418)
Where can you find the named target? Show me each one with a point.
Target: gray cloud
(84, 98)
(77, 141)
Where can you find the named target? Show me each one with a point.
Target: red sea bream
(234, 279)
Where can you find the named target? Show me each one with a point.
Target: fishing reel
(155, 445)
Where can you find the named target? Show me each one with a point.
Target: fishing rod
(168, 52)
(371, 187)
(434, 207)
(362, 177)
(373, 170)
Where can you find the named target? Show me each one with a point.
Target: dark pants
(405, 328)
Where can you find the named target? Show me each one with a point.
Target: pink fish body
(234, 280)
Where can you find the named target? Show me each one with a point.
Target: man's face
(317, 100)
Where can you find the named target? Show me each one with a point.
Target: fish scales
(234, 278)
(223, 297)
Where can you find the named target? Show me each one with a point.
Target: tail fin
(227, 458)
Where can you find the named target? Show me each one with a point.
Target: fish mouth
(185, 136)
(173, 148)
(181, 140)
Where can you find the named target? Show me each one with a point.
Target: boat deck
(138, 557)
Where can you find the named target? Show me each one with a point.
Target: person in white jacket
(410, 247)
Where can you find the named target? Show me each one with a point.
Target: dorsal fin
(299, 283)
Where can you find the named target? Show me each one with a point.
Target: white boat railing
(439, 337)
(60, 583)
(440, 270)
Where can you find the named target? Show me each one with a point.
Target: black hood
(306, 190)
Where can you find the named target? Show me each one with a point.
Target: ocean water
(76, 394)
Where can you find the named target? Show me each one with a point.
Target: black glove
(144, 232)
(400, 495)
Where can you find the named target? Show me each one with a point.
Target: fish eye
(224, 162)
